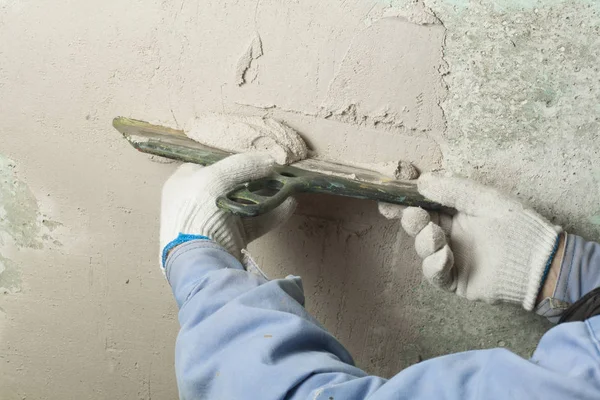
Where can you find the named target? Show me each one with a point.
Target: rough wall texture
(523, 109)
(87, 313)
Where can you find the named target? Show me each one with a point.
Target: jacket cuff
(180, 239)
(189, 263)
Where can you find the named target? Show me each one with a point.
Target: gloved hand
(189, 209)
(499, 250)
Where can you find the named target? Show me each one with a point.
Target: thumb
(240, 168)
(180, 176)
(255, 227)
(465, 195)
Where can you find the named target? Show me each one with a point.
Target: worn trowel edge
(174, 144)
(152, 139)
(182, 148)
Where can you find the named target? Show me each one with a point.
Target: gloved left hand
(189, 210)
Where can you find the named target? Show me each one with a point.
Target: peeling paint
(19, 222)
(10, 277)
(245, 64)
(19, 219)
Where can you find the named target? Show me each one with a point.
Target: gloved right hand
(189, 210)
(497, 249)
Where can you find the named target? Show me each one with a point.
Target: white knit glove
(499, 249)
(189, 204)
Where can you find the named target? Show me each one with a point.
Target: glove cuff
(181, 238)
(532, 245)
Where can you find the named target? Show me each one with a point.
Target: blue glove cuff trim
(181, 238)
(549, 263)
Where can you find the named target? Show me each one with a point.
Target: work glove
(493, 249)
(189, 210)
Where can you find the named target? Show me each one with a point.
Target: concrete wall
(506, 93)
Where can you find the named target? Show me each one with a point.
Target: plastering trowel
(258, 197)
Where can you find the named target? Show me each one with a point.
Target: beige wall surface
(86, 312)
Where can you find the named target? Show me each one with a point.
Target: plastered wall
(86, 312)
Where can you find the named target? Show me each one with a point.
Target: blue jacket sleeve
(243, 337)
(579, 274)
(580, 269)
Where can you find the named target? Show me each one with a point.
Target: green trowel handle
(261, 196)
(258, 197)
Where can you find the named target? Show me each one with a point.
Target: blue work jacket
(245, 337)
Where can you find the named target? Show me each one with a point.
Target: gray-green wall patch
(19, 222)
(522, 109)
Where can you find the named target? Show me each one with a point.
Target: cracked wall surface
(506, 94)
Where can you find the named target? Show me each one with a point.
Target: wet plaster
(367, 81)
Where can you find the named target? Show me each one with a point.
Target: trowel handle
(263, 195)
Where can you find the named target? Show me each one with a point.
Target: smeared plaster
(375, 86)
(370, 84)
(358, 144)
(238, 133)
(413, 11)
(333, 65)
